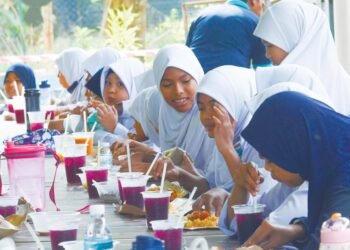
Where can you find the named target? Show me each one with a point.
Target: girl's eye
(187, 80)
(166, 84)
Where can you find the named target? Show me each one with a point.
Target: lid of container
(11, 148)
(31, 91)
(97, 209)
(336, 229)
(44, 84)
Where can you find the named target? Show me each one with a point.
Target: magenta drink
(157, 206)
(120, 190)
(97, 175)
(58, 236)
(19, 114)
(172, 238)
(50, 113)
(7, 210)
(36, 126)
(133, 196)
(73, 165)
(248, 220)
(10, 108)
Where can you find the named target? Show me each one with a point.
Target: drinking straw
(98, 152)
(128, 155)
(16, 89)
(36, 238)
(3, 96)
(47, 122)
(85, 124)
(186, 205)
(152, 164)
(93, 127)
(67, 124)
(255, 200)
(163, 176)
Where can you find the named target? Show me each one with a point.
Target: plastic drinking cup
(248, 220)
(157, 206)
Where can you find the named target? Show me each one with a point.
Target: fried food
(202, 219)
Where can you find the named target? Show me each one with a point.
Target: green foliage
(84, 37)
(168, 32)
(120, 30)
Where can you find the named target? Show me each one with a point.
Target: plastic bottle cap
(336, 216)
(97, 209)
(44, 85)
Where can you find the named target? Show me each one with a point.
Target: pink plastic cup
(97, 174)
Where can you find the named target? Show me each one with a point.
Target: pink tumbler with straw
(27, 172)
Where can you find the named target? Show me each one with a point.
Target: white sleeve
(286, 205)
(228, 230)
(121, 131)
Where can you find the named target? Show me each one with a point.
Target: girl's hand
(224, 128)
(213, 199)
(248, 177)
(172, 172)
(270, 236)
(95, 103)
(108, 117)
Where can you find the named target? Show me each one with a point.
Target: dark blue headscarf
(25, 74)
(306, 137)
(94, 84)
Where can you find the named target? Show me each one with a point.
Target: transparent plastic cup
(107, 190)
(40, 219)
(248, 220)
(62, 228)
(82, 138)
(121, 176)
(36, 120)
(157, 206)
(170, 232)
(79, 244)
(9, 103)
(8, 205)
(19, 109)
(49, 111)
(61, 141)
(74, 159)
(133, 185)
(97, 174)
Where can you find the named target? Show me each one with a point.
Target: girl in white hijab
(177, 73)
(117, 86)
(297, 32)
(70, 66)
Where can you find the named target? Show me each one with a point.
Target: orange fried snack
(173, 194)
(202, 219)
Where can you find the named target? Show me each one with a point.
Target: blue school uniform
(223, 35)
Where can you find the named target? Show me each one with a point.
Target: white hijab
(302, 30)
(126, 69)
(70, 64)
(145, 80)
(178, 129)
(99, 59)
(145, 109)
(288, 77)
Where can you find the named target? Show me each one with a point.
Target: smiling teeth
(180, 100)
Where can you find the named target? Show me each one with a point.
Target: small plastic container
(82, 137)
(157, 206)
(335, 233)
(170, 232)
(74, 159)
(36, 120)
(97, 174)
(107, 190)
(79, 244)
(133, 185)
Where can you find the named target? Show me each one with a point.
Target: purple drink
(36, 125)
(7, 210)
(157, 206)
(58, 236)
(133, 196)
(120, 188)
(73, 165)
(248, 220)
(19, 113)
(50, 113)
(97, 175)
(10, 108)
(172, 238)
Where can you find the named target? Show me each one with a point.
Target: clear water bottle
(45, 93)
(98, 236)
(105, 155)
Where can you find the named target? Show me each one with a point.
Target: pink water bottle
(26, 168)
(335, 233)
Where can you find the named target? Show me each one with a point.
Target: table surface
(124, 228)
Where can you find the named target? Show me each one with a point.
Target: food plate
(200, 220)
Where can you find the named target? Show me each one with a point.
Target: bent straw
(152, 164)
(93, 127)
(128, 155)
(16, 88)
(3, 96)
(85, 124)
(36, 238)
(163, 176)
(186, 205)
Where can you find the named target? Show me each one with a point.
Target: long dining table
(124, 228)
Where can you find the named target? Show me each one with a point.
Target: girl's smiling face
(178, 89)
(9, 86)
(115, 91)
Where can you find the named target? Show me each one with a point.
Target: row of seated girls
(289, 121)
